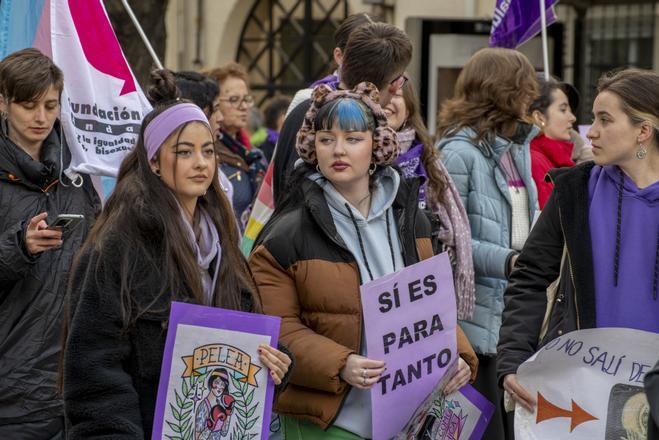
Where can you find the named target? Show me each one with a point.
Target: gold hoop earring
(641, 152)
(372, 169)
(157, 172)
(318, 169)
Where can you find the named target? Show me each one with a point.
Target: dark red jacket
(547, 154)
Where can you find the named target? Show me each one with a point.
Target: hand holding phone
(66, 222)
(38, 238)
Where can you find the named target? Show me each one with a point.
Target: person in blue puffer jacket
(485, 147)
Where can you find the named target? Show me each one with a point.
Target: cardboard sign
(588, 384)
(212, 383)
(410, 323)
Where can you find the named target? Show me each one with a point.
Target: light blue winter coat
(483, 187)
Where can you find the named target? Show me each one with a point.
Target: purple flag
(516, 21)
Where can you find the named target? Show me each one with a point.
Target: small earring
(157, 172)
(641, 152)
(318, 169)
(371, 169)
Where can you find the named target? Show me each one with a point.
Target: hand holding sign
(276, 361)
(460, 377)
(518, 393)
(361, 372)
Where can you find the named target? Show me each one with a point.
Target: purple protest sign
(516, 21)
(463, 414)
(410, 323)
(212, 383)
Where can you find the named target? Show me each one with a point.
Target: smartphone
(66, 222)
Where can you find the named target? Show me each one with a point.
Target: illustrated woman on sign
(213, 415)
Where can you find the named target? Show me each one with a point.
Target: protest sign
(461, 415)
(212, 383)
(588, 384)
(410, 323)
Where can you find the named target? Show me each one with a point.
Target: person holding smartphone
(34, 260)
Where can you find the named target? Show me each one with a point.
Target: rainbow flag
(102, 103)
(264, 206)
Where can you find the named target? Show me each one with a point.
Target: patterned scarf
(454, 231)
(206, 247)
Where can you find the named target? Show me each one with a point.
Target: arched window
(287, 44)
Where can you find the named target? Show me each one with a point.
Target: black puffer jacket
(564, 219)
(32, 287)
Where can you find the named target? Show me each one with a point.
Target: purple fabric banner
(212, 383)
(410, 323)
(516, 21)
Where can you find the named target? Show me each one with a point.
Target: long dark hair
(142, 211)
(437, 180)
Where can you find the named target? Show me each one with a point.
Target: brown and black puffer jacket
(306, 274)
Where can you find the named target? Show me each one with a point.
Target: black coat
(285, 154)
(112, 372)
(564, 219)
(32, 287)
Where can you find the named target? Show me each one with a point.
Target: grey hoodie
(374, 258)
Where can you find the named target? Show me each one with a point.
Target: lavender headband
(166, 122)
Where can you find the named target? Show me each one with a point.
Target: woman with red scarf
(552, 148)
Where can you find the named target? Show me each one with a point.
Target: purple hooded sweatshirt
(625, 275)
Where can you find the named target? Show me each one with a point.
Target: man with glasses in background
(244, 165)
(376, 52)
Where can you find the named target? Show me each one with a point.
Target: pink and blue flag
(102, 103)
(514, 22)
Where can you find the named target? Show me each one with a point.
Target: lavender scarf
(454, 231)
(206, 246)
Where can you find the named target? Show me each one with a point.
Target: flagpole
(143, 35)
(545, 52)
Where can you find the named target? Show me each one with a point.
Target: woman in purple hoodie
(598, 234)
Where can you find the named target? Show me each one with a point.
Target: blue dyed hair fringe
(347, 113)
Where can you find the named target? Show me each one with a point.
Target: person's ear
(155, 166)
(538, 118)
(337, 53)
(646, 133)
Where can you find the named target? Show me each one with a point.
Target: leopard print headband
(385, 141)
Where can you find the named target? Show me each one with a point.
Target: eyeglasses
(400, 81)
(236, 101)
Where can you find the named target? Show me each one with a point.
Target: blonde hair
(230, 70)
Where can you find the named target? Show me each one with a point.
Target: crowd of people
(506, 188)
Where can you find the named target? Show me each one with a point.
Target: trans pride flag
(102, 103)
(514, 22)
